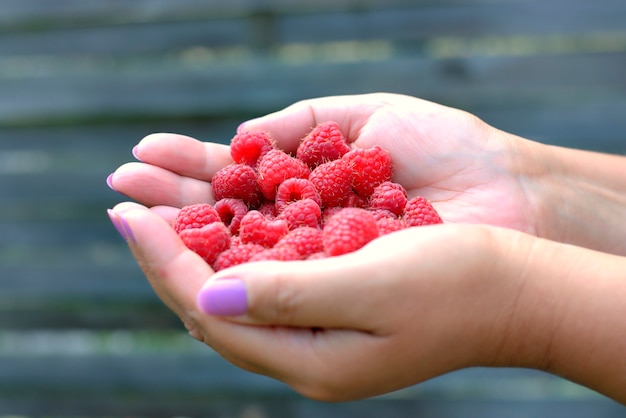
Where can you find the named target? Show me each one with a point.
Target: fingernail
(135, 154)
(110, 182)
(121, 225)
(224, 297)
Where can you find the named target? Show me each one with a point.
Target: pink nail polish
(110, 182)
(135, 153)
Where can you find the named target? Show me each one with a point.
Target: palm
(448, 156)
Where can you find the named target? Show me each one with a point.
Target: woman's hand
(403, 309)
(466, 168)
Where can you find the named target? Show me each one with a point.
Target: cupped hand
(405, 308)
(469, 170)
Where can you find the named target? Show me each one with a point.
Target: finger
(175, 273)
(290, 125)
(152, 185)
(183, 155)
(338, 292)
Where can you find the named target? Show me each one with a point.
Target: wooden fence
(81, 332)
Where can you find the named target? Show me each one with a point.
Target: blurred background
(81, 82)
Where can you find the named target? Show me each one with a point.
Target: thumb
(290, 125)
(336, 292)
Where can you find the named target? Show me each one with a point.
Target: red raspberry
(275, 167)
(389, 196)
(370, 167)
(324, 143)
(332, 181)
(388, 225)
(231, 212)
(195, 216)
(418, 211)
(328, 213)
(382, 213)
(348, 230)
(304, 212)
(268, 209)
(354, 200)
(236, 181)
(283, 253)
(257, 229)
(306, 240)
(208, 242)
(248, 147)
(294, 189)
(236, 254)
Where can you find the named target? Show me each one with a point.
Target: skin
(528, 269)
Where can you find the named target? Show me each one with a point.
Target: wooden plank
(263, 85)
(416, 24)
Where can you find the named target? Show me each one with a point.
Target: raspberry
(268, 209)
(275, 167)
(231, 212)
(317, 256)
(237, 254)
(348, 230)
(354, 200)
(283, 253)
(418, 211)
(328, 213)
(389, 196)
(370, 167)
(195, 216)
(306, 240)
(236, 181)
(304, 212)
(248, 147)
(332, 181)
(208, 242)
(257, 229)
(387, 225)
(324, 143)
(295, 189)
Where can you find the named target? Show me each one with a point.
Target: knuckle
(286, 299)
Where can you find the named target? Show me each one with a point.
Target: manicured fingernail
(121, 225)
(110, 182)
(224, 297)
(135, 154)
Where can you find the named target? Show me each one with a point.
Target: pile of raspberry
(326, 200)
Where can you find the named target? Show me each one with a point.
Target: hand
(403, 309)
(465, 167)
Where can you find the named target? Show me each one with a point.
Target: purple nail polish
(121, 225)
(134, 151)
(117, 224)
(224, 297)
(110, 182)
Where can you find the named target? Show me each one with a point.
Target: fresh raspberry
(348, 230)
(275, 167)
(294, 189)
(370, 167)
(382, 213)
(235, 255)
(248, 147)
(418, 211)
(195, 216)
(231, 212)
(257, 229)
(208, 242)
(268, 209)
(236, 181)
(389, 196)
(305, 240)
(388, 225)
(324, 143)
(283, 253)
(328, 213)
(304, 212)
(332, 181)
(354, 200)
